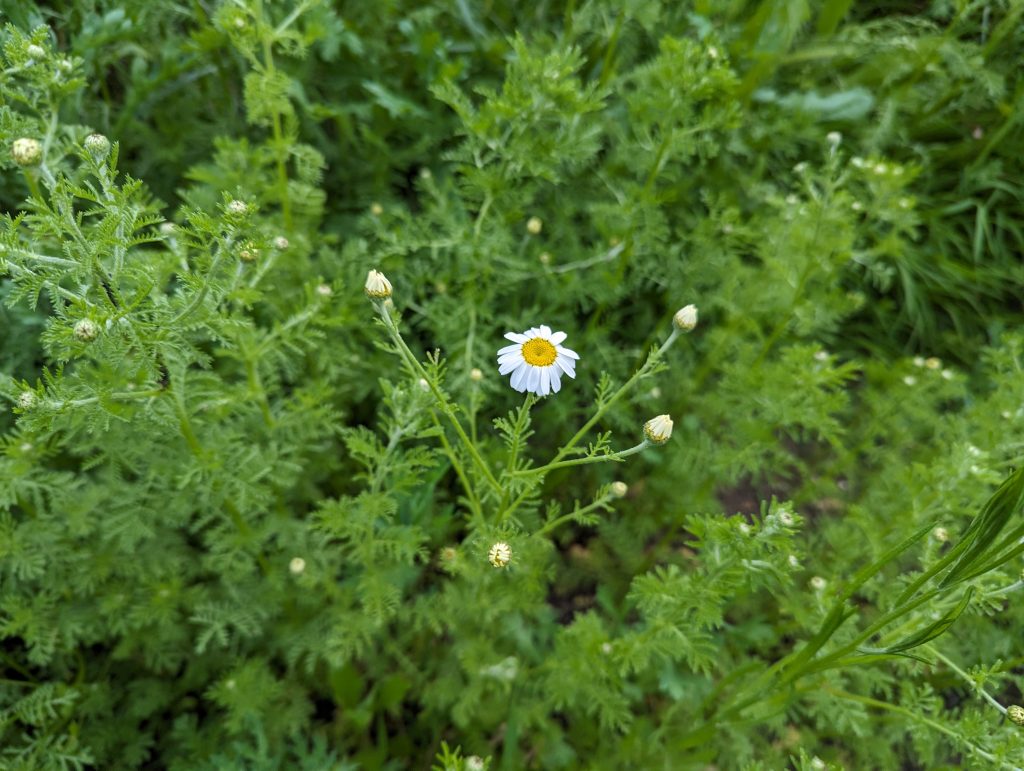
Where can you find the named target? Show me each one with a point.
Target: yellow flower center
(539, 352)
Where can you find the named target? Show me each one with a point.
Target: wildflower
(297, 566)
(933, 363)
(500, 554)
(476, 375)
(821, 355)
(474, 763)
(537, 360)
(857, 206)
(281, 242)
(713, 52)
(324, 290)
(1016, 714)
(377, 285)
(376, 209)
(545, 258)
(686, 318)
(881, 168)
(793, 561)
(26, 151)
(834, 138)
(786, 518)
(86, 330)
(167, 228)
(818, 583)
(940, 534)
(97, 145)
(658, 429)
(947, 374)
(237, 207)
(801, 167)
(910, 380)
(36, 52)
(744, 528)
(619, 489)
(919, 361)
(534, 225)
(27, 400)
(423, 384)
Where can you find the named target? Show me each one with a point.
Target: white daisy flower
(537, 360)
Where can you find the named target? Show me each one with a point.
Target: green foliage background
(838, 187)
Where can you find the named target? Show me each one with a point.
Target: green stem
(967, 679)
(598, 504)
(474, 502)
(623, 390)
(275, 124)
(201, 294)
(413, 363)
(615, 456)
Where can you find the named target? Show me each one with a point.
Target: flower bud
(97, 145)
(940, 534)
(619, 489)
(297, 566)
(324, 290)
(26, 151)
(658, 429)
(500, 554)
(834, 138)
(86, 330)
(168, 228)
(1016, 714)
(377, 285)
(818, 583)
(36, 52)
(376, 209)
(534, 225)
(476, 375)
(933, 362)
(686, 318)
(249, 252)
(238, 208)
(423, 384)
(474, 763)
(281, 242)
(27, 400)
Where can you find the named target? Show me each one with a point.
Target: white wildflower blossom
(537, 360)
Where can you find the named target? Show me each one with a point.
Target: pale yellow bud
(619, 489)
(658, 429)
(476, 375)
(686, 318)
(377, 285)
(297, 566)
(534, 225)
(26, 151)
(500, 554)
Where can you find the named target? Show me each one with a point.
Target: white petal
(516, 356)
(545, 331)
(556, 383)
(519, 377)
(545, 381)
(558, 338)
(566, 366)
(533, 383)
(508, 366)
(567, 352)
(516, 338)
(510, 349)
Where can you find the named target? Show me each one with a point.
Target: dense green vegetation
(253, 518)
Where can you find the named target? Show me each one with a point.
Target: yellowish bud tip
(619, 489)
(534, 225)
(297, 566)
(377, 285)
(1016, 714)
(476, 375)
(26, 152)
